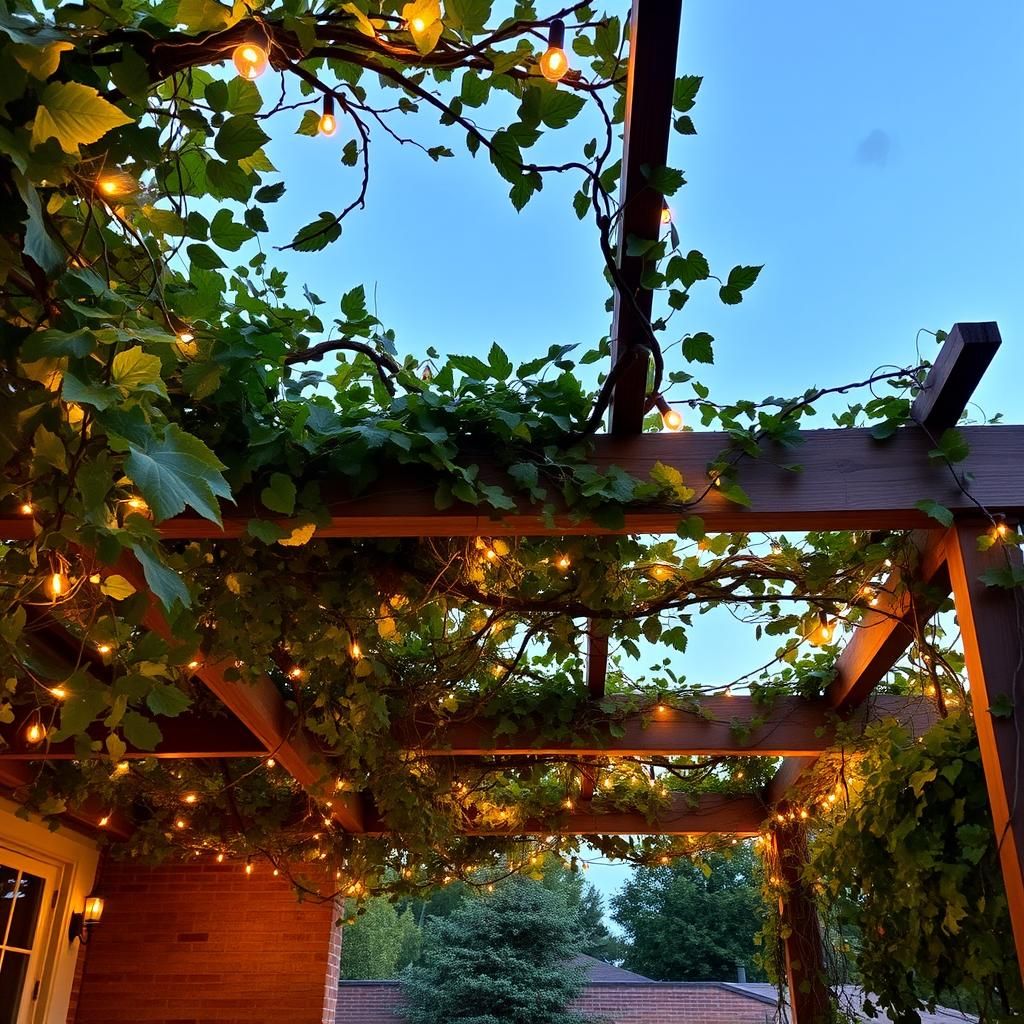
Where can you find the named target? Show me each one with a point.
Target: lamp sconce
(82, 923)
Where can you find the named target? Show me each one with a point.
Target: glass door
(27, 890)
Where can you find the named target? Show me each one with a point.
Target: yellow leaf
(363, 23)
(40, 61)
(386, 627)
(116, 587)
(75, 115)
(423, 20)
(299, 536)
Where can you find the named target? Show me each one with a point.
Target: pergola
(850, 481)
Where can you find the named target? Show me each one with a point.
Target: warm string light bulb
(563, 562)
(328, 122)
(58, 585)
(672, 419)
(825, 629)
(250, 57)
(27, 509)
(666, 215)
(553, 62)
(35, 733)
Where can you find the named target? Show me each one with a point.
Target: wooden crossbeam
(261, 708)
(186, 736)
(15, 775)
(849, 481)
(653, 39)
(703, 815)
(792, 727)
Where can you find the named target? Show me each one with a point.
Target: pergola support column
(810, 1001)
(991, 622)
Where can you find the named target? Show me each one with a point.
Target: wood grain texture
(793, 727)
(991, 622)
(961, 363)
(654, 35)
(848, 481)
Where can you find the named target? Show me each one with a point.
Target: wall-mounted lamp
(82, 923)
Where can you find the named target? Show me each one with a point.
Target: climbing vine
(157, 364)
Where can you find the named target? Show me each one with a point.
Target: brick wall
(374, 1002)
(207, 944)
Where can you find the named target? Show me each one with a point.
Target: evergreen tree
(499, 959)
(684, 925)
(586, 902)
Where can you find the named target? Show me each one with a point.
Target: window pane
(12, 985)
(8, 877)
(25, 914)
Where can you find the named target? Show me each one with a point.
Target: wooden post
(992, 625)
(810, 1001)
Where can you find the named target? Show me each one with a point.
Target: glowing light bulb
(109, 186)
(59, 692)
(271, 763)
(27, 509)
(328, 122)
(563, 562)
(490, 554)
(1000, 530)
(567, 804)
(355, 651)
(180, 823)
(193, 664)
(295, 672)
(250, 59)
(35, 733)
(137, 504)
(220, 858)
(417, 25)
(104, 821)
(672, 419)
(103, 648)
(58, 585)
(666, 215)
(190, 798)
(248, 869)
(554, 63)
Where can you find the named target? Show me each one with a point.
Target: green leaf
(203, 257)
(141, 732)
(1007, 576)
(1001, 707)
(936, 511)
(41, 62)
(54, 344)
(559, 106)
(135, 370)
(692, 528)
(49, 448)
(320, 233)
(698, 348)
(75, 115)
(665, 180)
(227, 232)
(270, 193)
(740, 279)
(309, 124)
(167, 700)
(164, 582)
(174, 470)
(203, 16)
(239, 136)
(279, 496)
(670, 479)
(38, 243)
(952, 447)
(685, 93)
(525, 188)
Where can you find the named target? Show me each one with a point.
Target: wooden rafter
(653, 40)
(792, 727)
(261, 708)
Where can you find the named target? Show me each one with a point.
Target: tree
(586, 902)
(499, 959)
(683, 924)
(380, 942)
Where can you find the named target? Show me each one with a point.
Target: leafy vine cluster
(156, 363)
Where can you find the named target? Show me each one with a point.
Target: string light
(220, 858)
(190, 798)
(355, 651)
(193, 664)
(57, 585)
(250, 57)
(137, 504)
(666, 214)
(295, 672)
(328, 122)
(1000, 530)
(27, 509)
(180, 823)
(120, 770)
(59, 692)
(672, 419)
(825, 629)
(104, 821)
(553, 62)
(563, 562)
(103, 648)
(35, 733)
(271, 763)
(248, 867)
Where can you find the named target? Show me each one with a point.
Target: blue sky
(869, 154)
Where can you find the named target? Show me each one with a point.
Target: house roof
(599, 972)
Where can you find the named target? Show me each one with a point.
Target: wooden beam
(653, 40)
(185, 736)
(810, 1001)
(849, 481)
(878, 642)
(597, 659)
(956, 372)
(793, 727)
(16, 776)
(708, 813)
(991, 620)
(261, 708)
